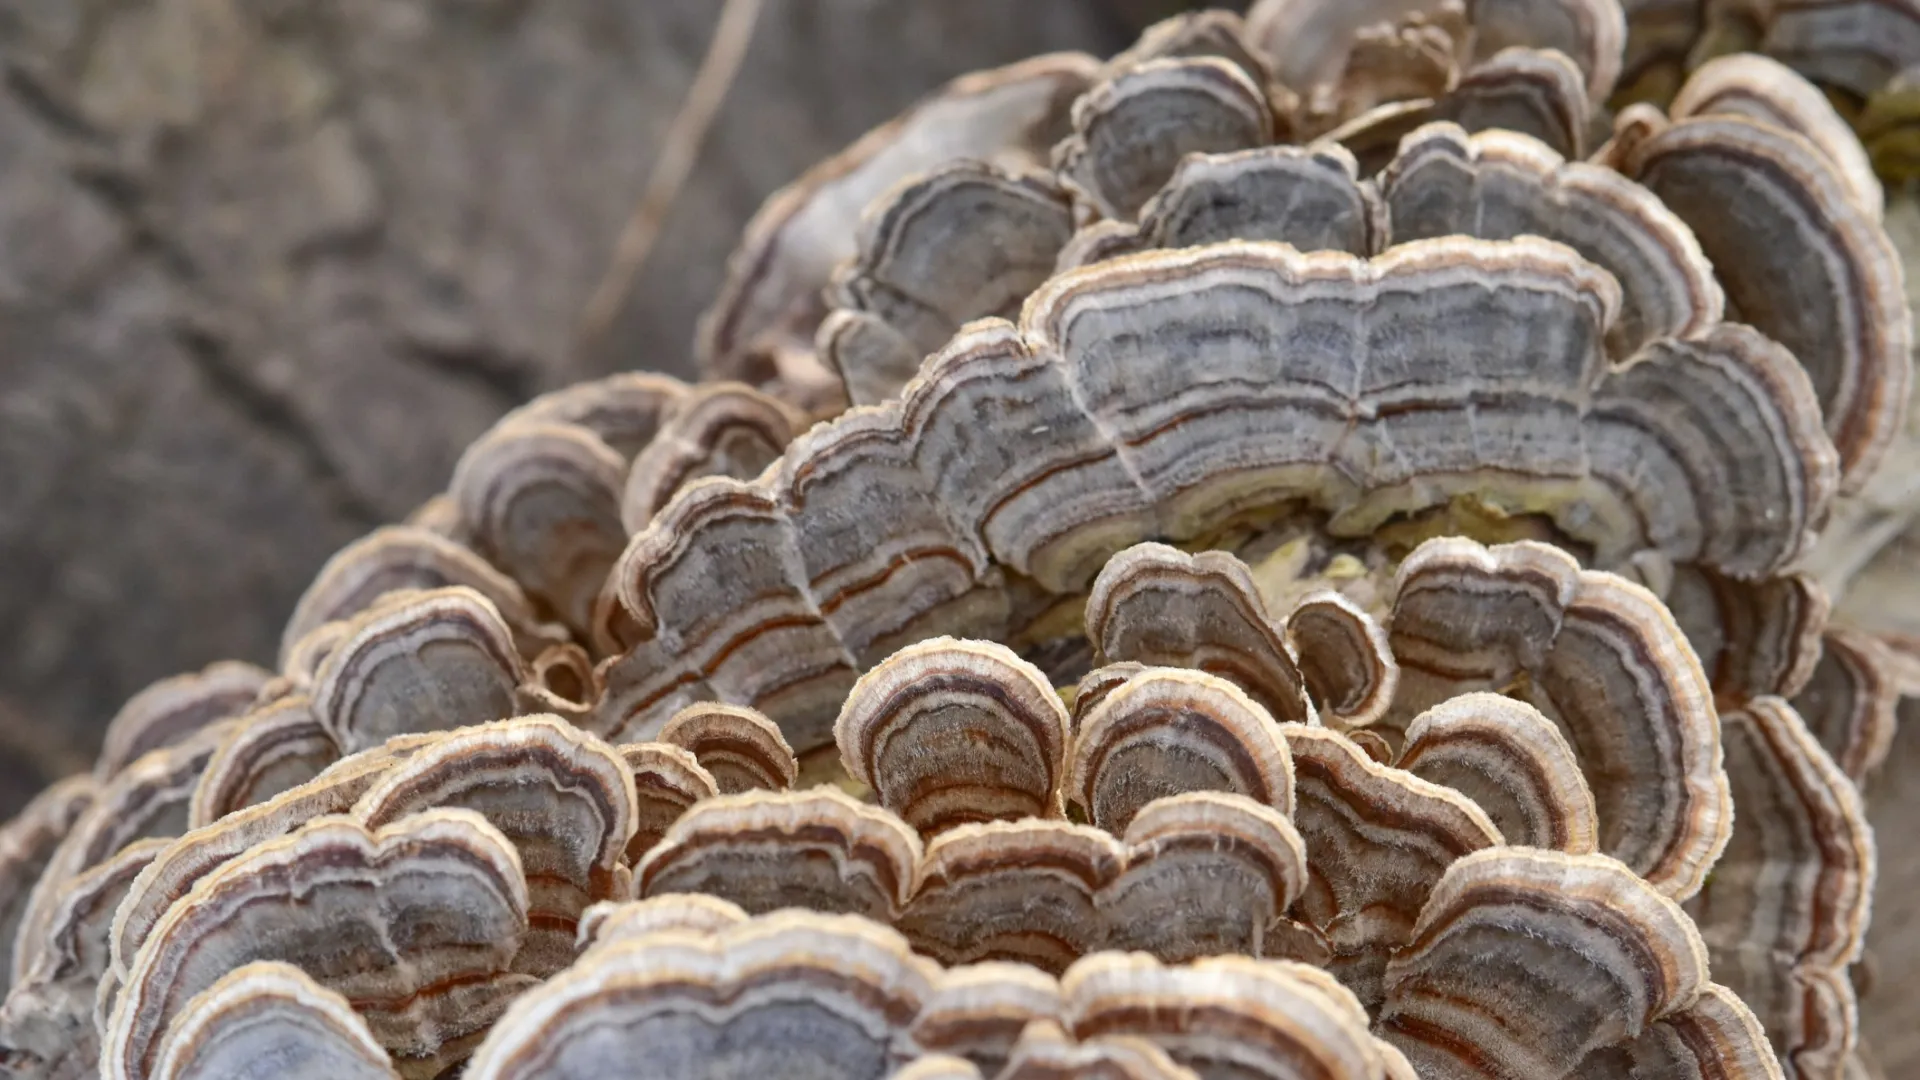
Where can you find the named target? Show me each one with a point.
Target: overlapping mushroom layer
(1110, 693)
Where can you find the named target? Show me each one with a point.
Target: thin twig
(679, 150)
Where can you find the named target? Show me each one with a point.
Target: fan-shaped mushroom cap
(173, 709)
(666, 780)
(1527, 91)
(1752, 637)
(741, 748)
(766, 850)
(1591, 33)
(146, 799)
(770, 302)
(1309, 44)
(543, 503)
(1855, 46)
(1013, 890)
(721, 429)
(1103, 422)
(1165, 732)
(963, 242)
(1195, 875)
(625, 410)
(1307, 196)
(1212, 32)
(431, 661)
(416, 923)
(1848, 704)
(1131, 130)
(1800, 260)
(797, 995)
(269, 1021)
(564, 798)
(176, 870)
(1529, 963)
(46, 1027)
(1601, 658)
(274, 748)
(1345, 661)
(1157, 605)
(949, 732)
(1378, 839)
(979, 1012)
(1763, 89)
(27, 846)
(1513, 763)
(397, 557)
(608, 921)
(1500, 184)
(1226, 1015)
(1785, 910)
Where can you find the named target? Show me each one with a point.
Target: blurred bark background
(266, 266)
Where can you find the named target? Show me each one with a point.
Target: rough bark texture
(267, 265)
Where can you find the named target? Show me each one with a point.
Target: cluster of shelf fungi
(1318, 547)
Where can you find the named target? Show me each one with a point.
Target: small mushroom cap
(47, 1024)
(429, 661)
(797, 995)
(1513, 763)
(1166, 732)
(1763, 89)
(171, 710)
(1857, 47)
(1500, 184)
(625, 410)
(1158, 605)
(269, 1021)
(1752, 637)
(948, 732)
(741, 747)
(1800, 260)
(770, 302)
(1785, 911)
(1601, 658)
(1308, 196)
(721, 429)
(980, 1012)
(399, 557)
(963, 242)
(1195, 875)
(147, 799)
(1591, 33)
(766, 850)
(1528, 962)
(667, 779)
(1130, 131)
(178, 869)
(1344, 657)
(416, 923)
(274, 748)
(1226, 1015)
(1308, 43)
(1378, 839)
(565, 799)
(27, 846)
(543, 503)
(1849, 701)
